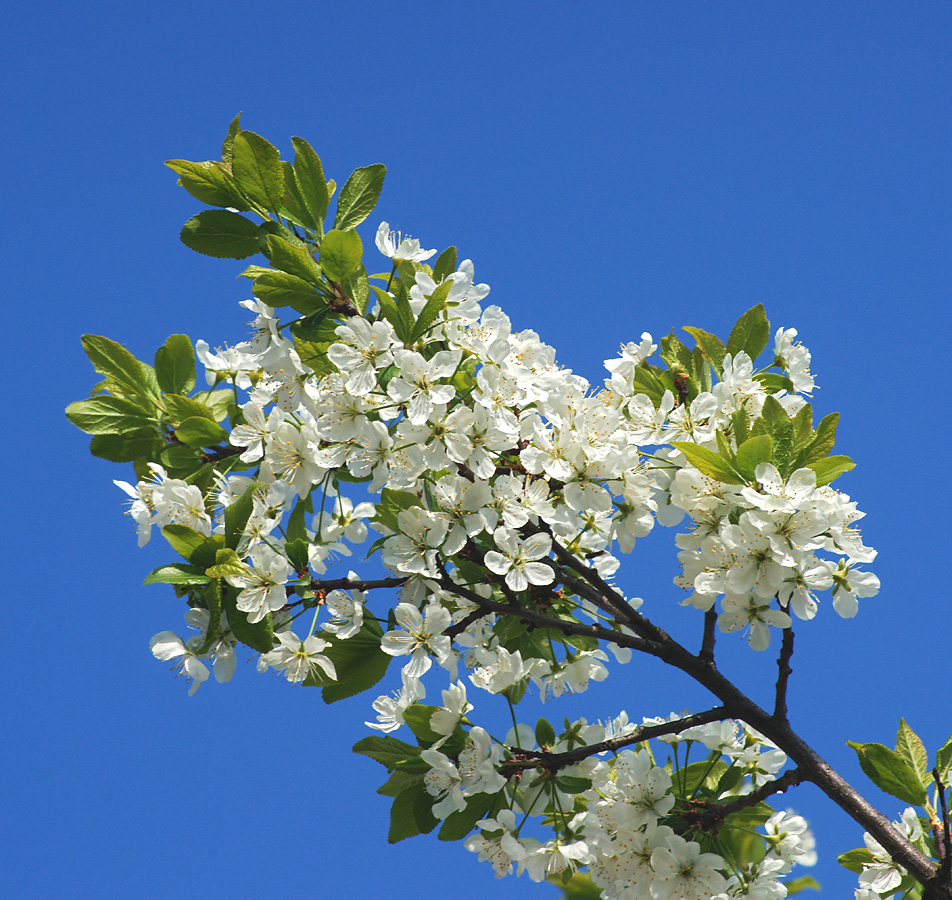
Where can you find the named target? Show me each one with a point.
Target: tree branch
(707, 642)
(783, 664)
(552, 762)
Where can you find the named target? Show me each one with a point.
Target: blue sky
(611, 169)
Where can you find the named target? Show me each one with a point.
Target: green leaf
(177, 573)
(774, 381)
(434, 305)
(750, 334)
(855, 860)
(359, 661)
(341, 254)
(778, 425)
(222, 234)
(890, 772)
(219, 402)
(119, 365)
(210, 182)
(257, 635)
(801, 884)
(831, 468)
(577, 886)
(417, 718)
(180, 408)
(198, 549)
(398, 782)
(256, 165)
(752, 453)
(394, 314)
(709, 463)
(294, 260)
(821, 443)
(296, 529)
(175, 365)
(133, 445)
(198, 431)
(461, 822)
(110, 415)
(387, 751)
(741, 425)
(228, 144)
(227, 562)
(309, 328)
(571, 784)
(237, 515)
(544, 733)
(802, 429)
(392, 503)
(711, 346)
(411, 814)
(356, 286)
(359, 196)
(910, 747)
(281, 289)
(445, 265)
(943, 760)
(310, 179)
(675, 354)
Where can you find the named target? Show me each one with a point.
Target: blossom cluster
(492, 473)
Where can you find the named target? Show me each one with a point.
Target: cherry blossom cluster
(496, 477)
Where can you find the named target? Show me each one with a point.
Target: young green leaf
(752, 453)
(120, 366)
(709, 463)
(359, 196)
(237, 515)
(281, 289)
(198, 431)
(341, 254)
(445, 265)
(110, 415)
(711, 346)
(910, 747)
(128, 447)
(310, 179)
(211, 182)
(256, 166)
(292, 259)
(750, 334)
(387, 751)
(222, 234)
(177, 573)
(175, 365)
(831, 468)
(890, 772)
(228, 144)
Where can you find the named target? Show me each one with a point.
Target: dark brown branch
(334, 584)
(463, 624)
(543, 621)
(942, 831)
(707, 642)
(719, 811)
(783, 675)
(552, 762)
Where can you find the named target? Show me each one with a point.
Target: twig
(552, 762)
(707, 642)
(783, 675)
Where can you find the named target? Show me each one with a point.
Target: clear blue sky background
(611, 169)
